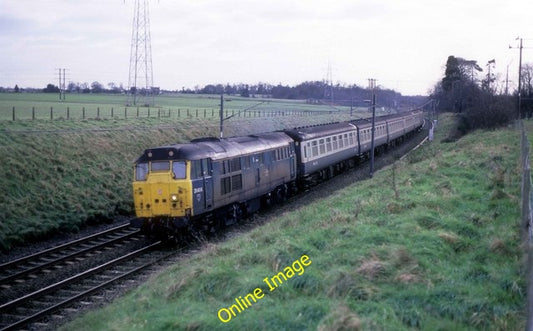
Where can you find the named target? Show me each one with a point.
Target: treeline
(72, 87)
(318, 92)
(314, 92)
(477, 98)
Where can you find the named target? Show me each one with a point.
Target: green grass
(63, 174)
(436, 250)
(90, 106)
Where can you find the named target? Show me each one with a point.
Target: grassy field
(109, 106)
(437, 248)
(63, 174)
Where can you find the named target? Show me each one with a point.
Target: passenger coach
(320, 148)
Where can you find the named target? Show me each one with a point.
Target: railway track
(37, 287)
(31, 265)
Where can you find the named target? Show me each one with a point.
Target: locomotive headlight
(174, 197)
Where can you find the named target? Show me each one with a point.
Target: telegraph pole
(329, 84)
(221, 115)
(372, 86)
(61, 86)
(519, 76)
(520, 81)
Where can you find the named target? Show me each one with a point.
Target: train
(211, 183)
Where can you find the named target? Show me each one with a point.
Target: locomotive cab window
(179, 170)
(141, 170)
(196, 169)
(160, 166)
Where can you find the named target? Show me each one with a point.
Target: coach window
(335, 143)
(315, 148)
(179, 170)
(350, 135)
(341, 142)
(141, 170)
(322, 146)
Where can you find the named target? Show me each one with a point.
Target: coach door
(292, 157)
(207, 171)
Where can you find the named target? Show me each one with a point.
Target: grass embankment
(435, 248)
(60, 175)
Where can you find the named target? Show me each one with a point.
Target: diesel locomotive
(210, 183)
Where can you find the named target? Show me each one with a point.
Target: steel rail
(51, 250)
(75, 278)
(47, 264)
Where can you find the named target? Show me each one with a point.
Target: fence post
(148, 112)
(68, 113)
(137, 112)
(112, 112)
(13, 113)
(33, 113)
(125, 112)
(83, 112)
(51, 113)
(526, 221)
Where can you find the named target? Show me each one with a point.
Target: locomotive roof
(217, 149)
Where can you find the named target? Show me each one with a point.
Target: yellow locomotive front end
(162, 189)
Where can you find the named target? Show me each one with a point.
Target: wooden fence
(143, 112)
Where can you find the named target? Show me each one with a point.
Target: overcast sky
(403, 44)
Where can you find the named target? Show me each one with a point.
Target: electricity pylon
(141, 78)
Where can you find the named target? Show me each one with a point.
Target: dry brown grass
(448, 237)
(372, 268)
(340, 319)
